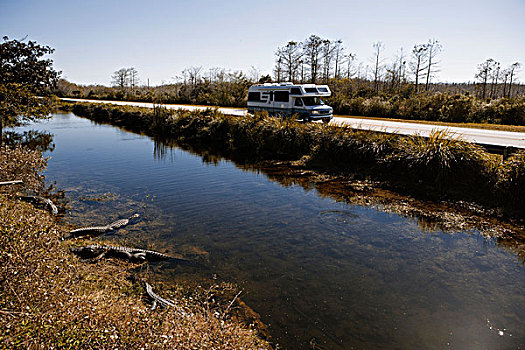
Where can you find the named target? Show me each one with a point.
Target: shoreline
(52, 299)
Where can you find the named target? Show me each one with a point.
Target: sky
(160, 38)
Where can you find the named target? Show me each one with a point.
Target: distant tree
(495, 75)
(350, 58)
(433, 48)
(312, 52)
(289, 57)
(378, 48)
(512, 70)
(417, 64)
(328, 50)
(396, 71)
(484, 70)
(25, 78)
(120, 78)
(278, 68)
(192, 75)
(133, 77)
(338, 54)
(254, 74)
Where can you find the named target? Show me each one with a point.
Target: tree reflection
(32, 139)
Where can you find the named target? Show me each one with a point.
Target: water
(321, 273)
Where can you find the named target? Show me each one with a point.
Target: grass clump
(511, 181)
(442, 160)
(51, 300)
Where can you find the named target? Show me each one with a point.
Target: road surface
(480, 136)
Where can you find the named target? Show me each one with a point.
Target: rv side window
(310, 90)
(282, 96)
(295, 91)
(298, 102)
(323, 89)
(254, 96)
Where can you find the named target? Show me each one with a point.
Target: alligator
(96, 252)
(97, 230)
(45, 202)
(157, 300)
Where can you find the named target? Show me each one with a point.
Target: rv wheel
(306, 118)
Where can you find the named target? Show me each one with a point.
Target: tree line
(401, 86)
(320, 60)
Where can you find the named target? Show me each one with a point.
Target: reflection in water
(446, 217)
(32, 139)
(327, 262)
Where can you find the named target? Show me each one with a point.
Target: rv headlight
(315, 113)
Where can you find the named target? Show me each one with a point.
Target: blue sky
(160, 38)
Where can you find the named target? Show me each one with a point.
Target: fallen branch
(11, 182)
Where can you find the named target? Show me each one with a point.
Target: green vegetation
(437, 167)
(25, 77)
(51, 300)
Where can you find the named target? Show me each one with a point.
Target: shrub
(442, 160)
(511, 181)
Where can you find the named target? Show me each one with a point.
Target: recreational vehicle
(286, 99)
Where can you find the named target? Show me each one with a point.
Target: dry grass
(501, 127)
(50, 299)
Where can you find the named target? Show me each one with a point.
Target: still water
(319, 272)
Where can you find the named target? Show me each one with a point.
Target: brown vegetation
(51, 300)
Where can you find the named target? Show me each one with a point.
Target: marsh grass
(511, 181)
(49, 299)
(442, 160)
(439, 166)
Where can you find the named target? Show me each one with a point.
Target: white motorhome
(287, 99)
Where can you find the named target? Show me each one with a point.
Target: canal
(321, 273)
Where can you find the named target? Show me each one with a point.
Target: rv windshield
(312, 101)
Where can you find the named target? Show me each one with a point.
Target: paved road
(480, 136)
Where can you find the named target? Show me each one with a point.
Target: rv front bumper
(322, 117)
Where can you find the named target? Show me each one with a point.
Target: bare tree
(278, 68)
(120, 78)
(483, 74)
(401, 64)
(312, 51)
(378, 48)
(216, 74)
(496, 67)
(339, 53)
(350, 58)
(254, 74)
(417, 64)
(192, 75)
(133, 75)
(328, 53)
(395, 71)
(433, 49)
(512, 70)
(505, 74)
(290, 57)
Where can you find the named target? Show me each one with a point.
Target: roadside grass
(50, 299)
(487, 126)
